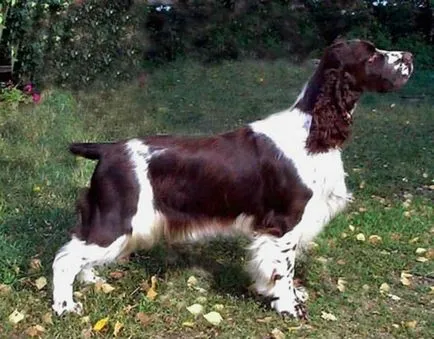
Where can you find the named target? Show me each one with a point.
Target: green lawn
(390, 166)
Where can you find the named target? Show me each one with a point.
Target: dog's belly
(145, 234)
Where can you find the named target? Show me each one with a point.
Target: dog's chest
(322, 173)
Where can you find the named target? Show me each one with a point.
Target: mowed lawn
(370, 274)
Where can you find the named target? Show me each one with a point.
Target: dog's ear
(335, 54)
(331, 120)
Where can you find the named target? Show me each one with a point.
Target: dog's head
(368, 67)
(346, 70)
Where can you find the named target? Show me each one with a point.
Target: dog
(278, 181)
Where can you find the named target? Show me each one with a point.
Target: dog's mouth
(402, 75)
(404, 69)
(401, 80)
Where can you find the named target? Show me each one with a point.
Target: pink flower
(36, 98)
(28, 88)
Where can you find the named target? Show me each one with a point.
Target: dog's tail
(93, 151)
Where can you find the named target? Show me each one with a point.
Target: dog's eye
(376, 57)
(373, 58)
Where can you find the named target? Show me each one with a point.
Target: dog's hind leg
(70, 260)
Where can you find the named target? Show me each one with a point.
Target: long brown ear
(331, 115)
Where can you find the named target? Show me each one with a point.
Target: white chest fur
(323, 173)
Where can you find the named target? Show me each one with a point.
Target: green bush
(96, 41)
(23, 29)
(71, 44)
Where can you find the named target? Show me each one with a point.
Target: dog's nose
(407, 57)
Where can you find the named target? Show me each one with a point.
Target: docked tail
(93, 151)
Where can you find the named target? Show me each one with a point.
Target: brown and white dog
(278, 180)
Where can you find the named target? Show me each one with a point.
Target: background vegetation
(74, 42)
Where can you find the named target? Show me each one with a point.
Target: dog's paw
(89, 276)
(299, 312)
(291, 308)
(67, 307)
(301, 294)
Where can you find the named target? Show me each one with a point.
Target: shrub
(97, 41)
(71, 43)
(25, 22)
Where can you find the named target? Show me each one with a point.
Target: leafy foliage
(11, 96)
(61, 42)
(96, 40)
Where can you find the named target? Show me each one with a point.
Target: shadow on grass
(39, 232)
(222, 259)
(33, 233)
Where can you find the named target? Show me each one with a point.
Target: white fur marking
(147, 224)
(70, 260)
(264, 254)
(391, 56)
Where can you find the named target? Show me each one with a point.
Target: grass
(389, 161)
